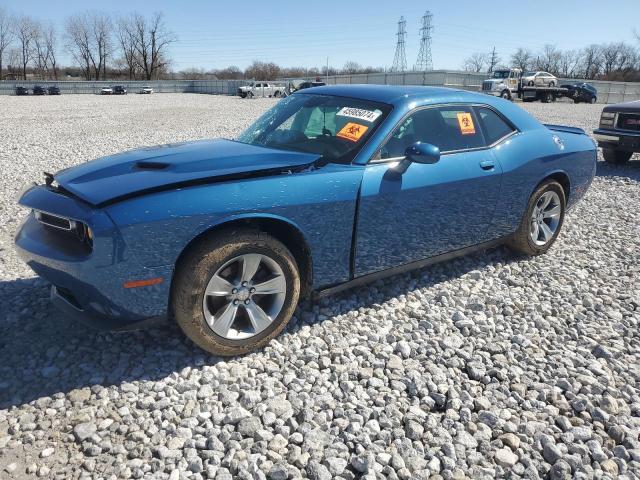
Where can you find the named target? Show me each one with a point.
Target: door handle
(487, 164)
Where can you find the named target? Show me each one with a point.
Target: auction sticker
(466, 123)
(352, 131)
(359, 113)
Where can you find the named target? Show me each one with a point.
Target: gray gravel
(493, 365)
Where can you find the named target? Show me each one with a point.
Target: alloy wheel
(545, 218)
(244, 296)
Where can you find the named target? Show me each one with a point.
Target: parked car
(54, 90)
(538, 79)
(39, 90)
(261, 89)
(146, 90)
(22, 91)
(581, 92)
(106, 91)
(303, 85)
(619, 132)
(332, 187)
(119, 90)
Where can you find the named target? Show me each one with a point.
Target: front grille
(629, 121)
(486, 86)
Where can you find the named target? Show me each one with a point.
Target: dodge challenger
(333, 187)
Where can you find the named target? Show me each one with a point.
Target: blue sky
(217, 34)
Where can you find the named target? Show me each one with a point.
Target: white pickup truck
(261, 89)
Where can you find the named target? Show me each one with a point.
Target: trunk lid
(144, 170)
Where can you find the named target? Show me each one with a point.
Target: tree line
(618, 61)
(133, 46)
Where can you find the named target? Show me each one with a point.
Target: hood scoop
(151, 165)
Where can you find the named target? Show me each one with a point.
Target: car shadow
(44, 353)
(630, 170)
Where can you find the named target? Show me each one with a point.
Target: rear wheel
(552, 84)
(530, 84)
(235, 291)
(542, 220)
(277, 94)
(616, 157)
(547, 97)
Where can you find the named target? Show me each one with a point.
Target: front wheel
(593, 100)
(235, 291)
(506, 94)
(616, 157)
(277, 94)
(542, 220)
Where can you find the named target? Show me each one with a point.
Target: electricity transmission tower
(425, 62)
(400, 58)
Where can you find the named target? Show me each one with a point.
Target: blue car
(333, 187)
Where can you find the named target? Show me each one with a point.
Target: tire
(506, 94)
(522, 240)
(530, 84)
(616, 157)
(277, 94)
(593, 100)
(552, 84)
(250, 94)
(217, 256)
(547, 98)
(243, 95)
(576, 101)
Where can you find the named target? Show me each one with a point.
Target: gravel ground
(493, 365)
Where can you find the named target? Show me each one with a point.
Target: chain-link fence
(218, 87)
(608, 92)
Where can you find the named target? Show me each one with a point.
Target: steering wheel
(328, 142)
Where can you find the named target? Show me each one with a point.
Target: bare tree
(262, 71)
(79, 44)
(101, 30)
(522, 58)
(25, 31)
(477, 62)
(89, 42)
(351, 67)
(51, 45)
(591, 61)
(127, 42)
(151, 40)
(569, 62)
(6, 34)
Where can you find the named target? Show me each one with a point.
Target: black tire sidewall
(195, 272)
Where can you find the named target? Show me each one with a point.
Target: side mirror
(418, 153)
(422, 153)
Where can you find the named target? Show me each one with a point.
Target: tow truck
(506, 83)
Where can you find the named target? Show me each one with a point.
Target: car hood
(146, 170)
(632, 107)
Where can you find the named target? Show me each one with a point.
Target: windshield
(501, 74)
(528, 74)
(333, 127)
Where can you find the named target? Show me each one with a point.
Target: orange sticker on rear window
(352, 131)
(466, 123)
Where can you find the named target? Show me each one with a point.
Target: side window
(493, 125)
(448, 128)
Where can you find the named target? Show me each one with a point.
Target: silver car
(538, 79)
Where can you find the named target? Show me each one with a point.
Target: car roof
(398, 94)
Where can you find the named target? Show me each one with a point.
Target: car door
(429, 209)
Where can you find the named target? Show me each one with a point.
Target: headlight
(608, 115)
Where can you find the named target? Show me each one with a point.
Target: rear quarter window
(494, 126)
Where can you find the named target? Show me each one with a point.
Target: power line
(400, 58)
(425, 62)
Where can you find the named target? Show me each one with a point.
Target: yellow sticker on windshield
(466, 123)
(352, 131)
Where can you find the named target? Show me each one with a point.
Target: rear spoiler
(564, 128)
